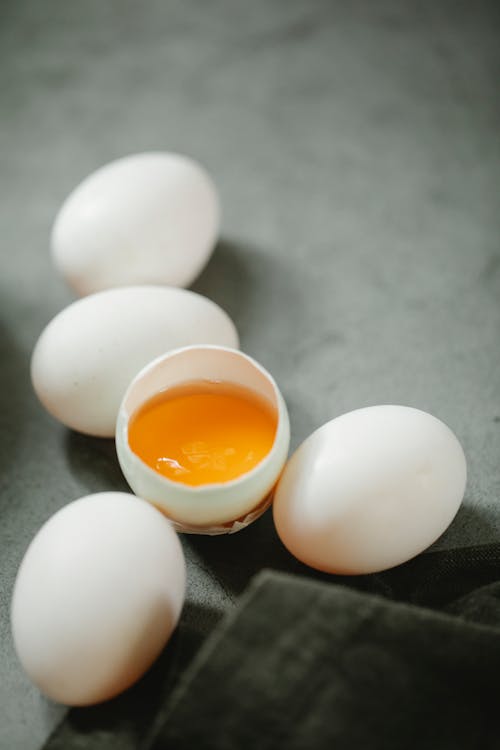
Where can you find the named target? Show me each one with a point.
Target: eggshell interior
(214, 508)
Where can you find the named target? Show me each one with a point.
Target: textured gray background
(356, 149)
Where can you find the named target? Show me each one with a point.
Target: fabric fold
(303, 664)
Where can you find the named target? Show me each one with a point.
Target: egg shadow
(15, 397)
(469, 527)
(302, 420)
(94, 463)
(234, 559)
(227, 280)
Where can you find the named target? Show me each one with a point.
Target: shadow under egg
(15, 397)
(227, 280)
(93, 462)
(233, 559)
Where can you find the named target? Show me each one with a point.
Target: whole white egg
(370, 490)
(97, 596)
(88, 354)
(150, 218)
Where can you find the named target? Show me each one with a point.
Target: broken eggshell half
(218, 508)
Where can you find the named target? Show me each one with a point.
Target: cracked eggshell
(88, 354)
(221, 508)
(370, 490)
(144, 219)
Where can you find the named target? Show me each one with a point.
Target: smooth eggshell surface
(144, 219)
(88, 354)
(97, 595)
(370, 490)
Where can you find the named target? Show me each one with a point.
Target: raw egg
(370, 490)
(88, 354)
(144, 219)
(203, 434)
(97, 596)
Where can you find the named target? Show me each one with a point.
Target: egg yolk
(203, 433)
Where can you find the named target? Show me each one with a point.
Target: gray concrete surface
(356, 149)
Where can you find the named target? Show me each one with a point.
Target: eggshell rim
(282, 427)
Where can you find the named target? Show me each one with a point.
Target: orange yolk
(203, 433)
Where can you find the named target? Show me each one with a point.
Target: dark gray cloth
(304, 665)
(406, 658)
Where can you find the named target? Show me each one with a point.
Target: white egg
(220, 508)
(88, 354)
(97, 596)
(370, 490)
(145, 219)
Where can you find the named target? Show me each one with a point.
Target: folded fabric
(305, 662)
(310, 665)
